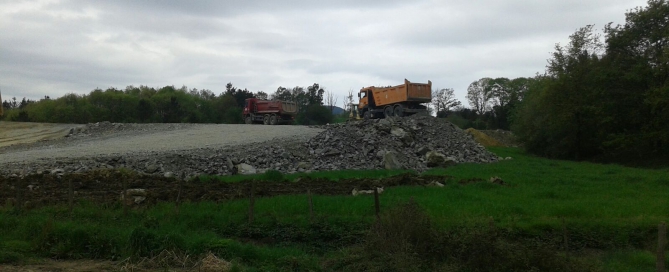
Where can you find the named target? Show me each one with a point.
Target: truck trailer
(269, 112)
(400, 100)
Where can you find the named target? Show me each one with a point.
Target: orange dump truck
(400, 100)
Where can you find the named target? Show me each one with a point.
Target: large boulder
(398, 132)
(436, 159)
(246, 169)
(391, 162)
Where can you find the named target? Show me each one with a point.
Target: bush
(406, 239)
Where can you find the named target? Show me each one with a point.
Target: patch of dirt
(105, 187)
(14, 133)
(503, 136)
(483, 138)
(61, 266)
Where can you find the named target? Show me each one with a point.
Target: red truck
(269, 112)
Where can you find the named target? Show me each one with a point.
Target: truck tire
(265, 119)
(367, 115)
(273, 120)
(399, 110)
(248, 120)
(388, 111)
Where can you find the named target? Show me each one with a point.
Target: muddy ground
(105, 187)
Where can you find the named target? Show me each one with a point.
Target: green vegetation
(606, 99)
(608, 209)
(165, 105)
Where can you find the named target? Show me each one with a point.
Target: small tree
(330, 100)
(443, 101)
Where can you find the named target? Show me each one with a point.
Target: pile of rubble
(416, 143)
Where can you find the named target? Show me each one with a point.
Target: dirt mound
(483, 138)
(504, 136)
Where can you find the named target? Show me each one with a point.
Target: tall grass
(606, 207)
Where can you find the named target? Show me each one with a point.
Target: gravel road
(142, 139)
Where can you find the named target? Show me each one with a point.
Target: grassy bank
(609, 214)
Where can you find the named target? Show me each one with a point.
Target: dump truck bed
(283, 107)
(407, 92)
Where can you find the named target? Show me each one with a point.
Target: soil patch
(105, 187)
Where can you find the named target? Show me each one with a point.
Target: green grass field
(610, 214)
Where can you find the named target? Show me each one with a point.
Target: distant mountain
(336, 110)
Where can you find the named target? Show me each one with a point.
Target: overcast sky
(56, 47)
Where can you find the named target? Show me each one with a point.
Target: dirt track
(131, 138)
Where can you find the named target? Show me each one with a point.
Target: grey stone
(436, 159)
(423, 150)
(398, 132)
(303, 165)
(151, 168)
(246, 169)
(391, 162)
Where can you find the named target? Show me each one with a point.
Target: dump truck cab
(366, 103)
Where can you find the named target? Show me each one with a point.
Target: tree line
(606, 98)
(492, 102)
(602, 100)
(168, 104)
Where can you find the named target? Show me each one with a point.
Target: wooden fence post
(311, 206)
(565, 237)
(19, 193)
(252, 203)
(71, 195)
(179, 196)
(125, 196)
(377, 207)
(661, 244)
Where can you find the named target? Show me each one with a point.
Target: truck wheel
(399, 111)
(265, 120)
(367, 115)
(248, 120)
(273, 120)
(388, 111)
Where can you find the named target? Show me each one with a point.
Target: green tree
(315, 115)
(567, 103)
(478, 95)
(444, 100)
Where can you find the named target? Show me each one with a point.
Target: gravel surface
(124, 139)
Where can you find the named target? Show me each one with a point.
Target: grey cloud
(76, 46)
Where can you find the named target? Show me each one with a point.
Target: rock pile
(415, 143)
